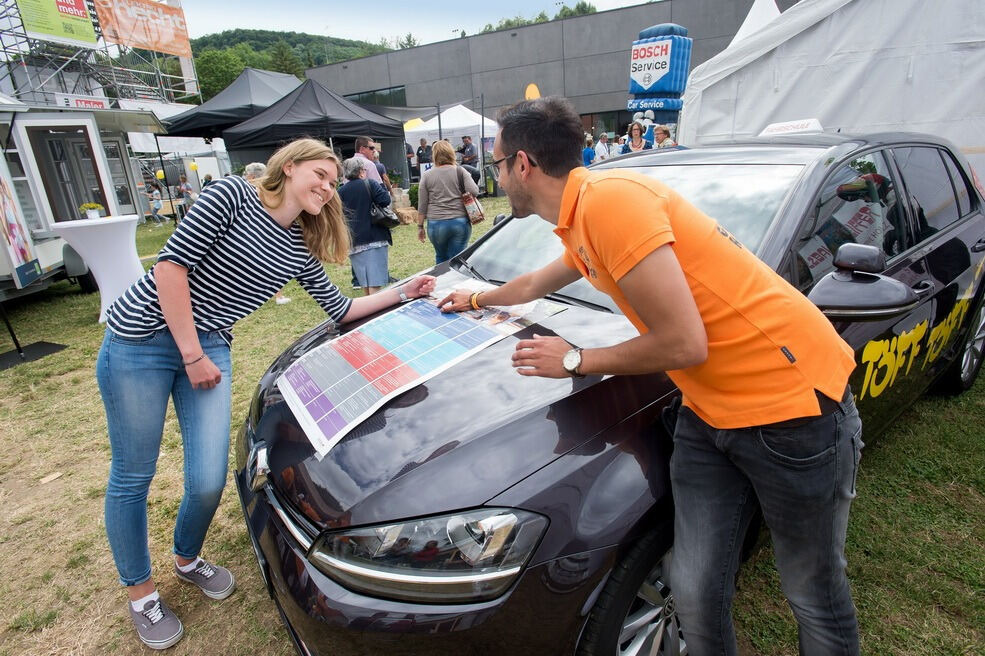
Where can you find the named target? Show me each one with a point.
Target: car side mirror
(500, 218)
(855, 291)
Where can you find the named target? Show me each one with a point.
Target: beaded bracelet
(191, 362)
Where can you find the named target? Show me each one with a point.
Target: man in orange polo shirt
(768, 418)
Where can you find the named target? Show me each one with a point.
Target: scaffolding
(34, 71)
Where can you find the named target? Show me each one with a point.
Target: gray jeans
(802, 474)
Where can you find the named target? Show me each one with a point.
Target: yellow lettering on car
(884, 358)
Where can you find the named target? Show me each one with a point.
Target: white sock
(139, 604)
(184, 569)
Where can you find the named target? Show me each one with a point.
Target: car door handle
(978, 246)
(923, 288)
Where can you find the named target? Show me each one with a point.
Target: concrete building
(585, 58)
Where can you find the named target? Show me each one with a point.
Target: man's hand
(457, 301)
(203, 374)
(541, 356)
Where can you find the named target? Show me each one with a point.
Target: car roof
(783, 149)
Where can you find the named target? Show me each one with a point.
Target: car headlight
(466, 557)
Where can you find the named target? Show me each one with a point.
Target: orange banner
(144, 24)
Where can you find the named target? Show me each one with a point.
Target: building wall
(585, 58)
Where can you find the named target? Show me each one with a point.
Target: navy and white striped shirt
(237, 257)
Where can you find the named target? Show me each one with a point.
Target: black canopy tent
(314, 111)
(248, 95)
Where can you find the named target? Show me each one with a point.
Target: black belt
(830, 405)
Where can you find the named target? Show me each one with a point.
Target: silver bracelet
(403, 297)
(191, 362)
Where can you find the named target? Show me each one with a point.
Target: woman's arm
(470, 184)
(176, 304)
(380, 195)
(422, 206)
(367, 305)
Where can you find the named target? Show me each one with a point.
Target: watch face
(571, 361)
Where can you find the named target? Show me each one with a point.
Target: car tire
(87, 283)
(961, 375)
(635, 610)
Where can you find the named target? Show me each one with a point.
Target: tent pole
(482, 134)
(439, 121)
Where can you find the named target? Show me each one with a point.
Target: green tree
(284, 60)
(250, 57)
(580, 9)
(216, 70)
(408, 42)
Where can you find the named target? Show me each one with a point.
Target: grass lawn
(916, 544)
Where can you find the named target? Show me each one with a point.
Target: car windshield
(742, 197)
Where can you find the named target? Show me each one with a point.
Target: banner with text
(144, 24)
(61, 21)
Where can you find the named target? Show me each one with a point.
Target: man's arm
(521, 289)
(657, 290)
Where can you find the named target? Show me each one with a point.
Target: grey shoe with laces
(215, 581)
(156, 625)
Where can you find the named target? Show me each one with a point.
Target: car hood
(454, 441)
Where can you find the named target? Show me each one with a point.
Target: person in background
(370, 243)
(207, 180)
(439, 203)
(253, 172)
(588, 152)
(470, 158)
(366, 149)
(412, 169)
(384, 178)
(602, 148)
(636, 141)
(662, 137)
(154, 198)
(768, 419)
(168, 337)
(423, 154)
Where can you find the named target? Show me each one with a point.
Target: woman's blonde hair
(326, 234)
(442, 153)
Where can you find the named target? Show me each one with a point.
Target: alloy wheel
(651, 627)
(974, 346)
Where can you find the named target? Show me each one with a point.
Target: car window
(744, 198)
(858, 204)
(525, 245)
(962, 191)
(929, 187)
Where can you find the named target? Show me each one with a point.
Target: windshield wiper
(570, 300)
(461, 261)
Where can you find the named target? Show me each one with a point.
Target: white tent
(855, 65)
(456, 122)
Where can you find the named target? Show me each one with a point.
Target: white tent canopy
(143, 142)
(855, 65)
(456, 122)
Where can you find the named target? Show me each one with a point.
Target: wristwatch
(403, 296)
(571, 361)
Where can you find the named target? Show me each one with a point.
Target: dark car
(484, 512)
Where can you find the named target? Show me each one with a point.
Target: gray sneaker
(215, 581)
(156, 625)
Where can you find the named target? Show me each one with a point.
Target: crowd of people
(715, 335)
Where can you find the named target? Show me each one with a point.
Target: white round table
(108, 246)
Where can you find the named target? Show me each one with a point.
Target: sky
(428, 20)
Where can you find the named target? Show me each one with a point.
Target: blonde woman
(440, 203)
(168, 335)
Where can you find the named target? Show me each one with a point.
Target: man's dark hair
(548, 129)
(362, 142)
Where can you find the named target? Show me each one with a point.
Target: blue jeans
(802, 474)
(449, 237)
(136, 378)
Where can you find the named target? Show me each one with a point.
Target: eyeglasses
(497, 162)
(373, 148)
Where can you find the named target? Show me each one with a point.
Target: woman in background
(439, 203)
(370, 243)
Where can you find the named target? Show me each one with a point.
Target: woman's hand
(457, 301)
(203, 374)
(419, 286)
(422, 235)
